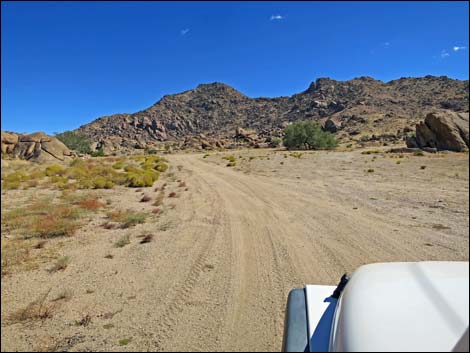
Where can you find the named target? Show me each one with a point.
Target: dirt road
(273, 234)
(227, 251)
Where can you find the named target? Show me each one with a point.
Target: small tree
(308, 135)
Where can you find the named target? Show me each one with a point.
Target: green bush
(98, 153)
(308, 135)
(75, 142)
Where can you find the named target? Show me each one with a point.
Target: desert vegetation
(308, 135)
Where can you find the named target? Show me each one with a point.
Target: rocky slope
(358, 110)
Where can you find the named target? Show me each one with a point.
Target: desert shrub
(10, 185)
(128, 218)
(161, 166)
(100, 182)
(74, 141)
(141, 178)
(123, 241)
(296, 154)
(98, 153)
(275, 142)
(231, 164)
(172, 194)
(206, 155)
(131, 168)
(91, 204)
(229, 158)
(418, 153)
(118, 165)
(39, 309)
(54, 170)
(308, 135)
(17, 176)
(423, 167)
(370, 170)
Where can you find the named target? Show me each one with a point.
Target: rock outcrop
(36, 147)
(443, 130)
(362, 106)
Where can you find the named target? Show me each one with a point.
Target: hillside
(359, 110)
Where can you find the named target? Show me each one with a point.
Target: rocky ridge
(359, 110)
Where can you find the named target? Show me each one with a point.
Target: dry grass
(127, 218)
(159, 199)
(36, 310)
(123, 241)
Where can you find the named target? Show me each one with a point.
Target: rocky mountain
(357, 110)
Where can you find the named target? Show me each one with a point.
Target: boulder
(36, 147)
(444, 130)
(332, 125)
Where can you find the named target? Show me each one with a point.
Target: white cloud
(184, 31)
(444, 54)
(456, 48)
(277, 18)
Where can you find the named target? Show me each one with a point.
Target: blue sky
(66, 63)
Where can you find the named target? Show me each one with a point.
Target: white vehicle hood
(416, 306)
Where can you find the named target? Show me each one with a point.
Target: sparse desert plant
(159, 199)
(133, 218)
(123, 241)
(418, 153)
(182, 184)
(36, 310)
(125, 341)
(296, 154)
(423, 167)
(55, 170)
(85, 320)
(397, 162)
(231, 164)
(172, 194)
(206, 155)
(109, 256)
(91, 204)
(370, 170)
(229, 158)
(61, 264)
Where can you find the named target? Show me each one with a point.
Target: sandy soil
(217, 274)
